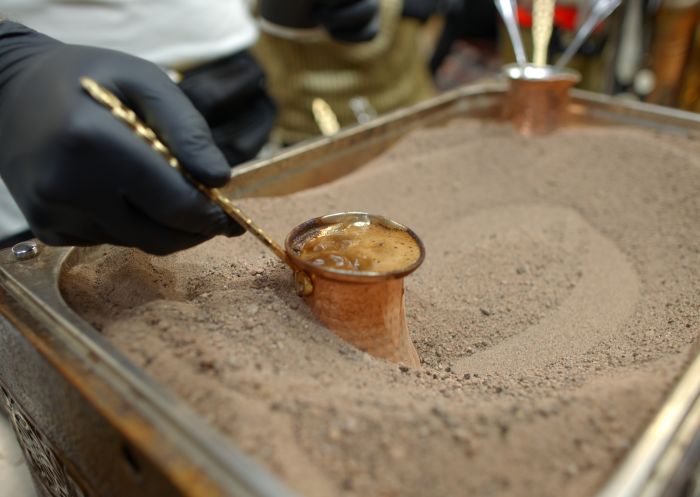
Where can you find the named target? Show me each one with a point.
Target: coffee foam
(361, 247)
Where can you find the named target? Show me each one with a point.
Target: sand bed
(557, 305)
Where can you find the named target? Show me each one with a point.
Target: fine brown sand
(556, 307)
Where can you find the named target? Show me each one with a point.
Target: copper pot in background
(537, 97)
(675, 25)
(690, 90)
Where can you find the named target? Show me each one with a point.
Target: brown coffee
(361, 247)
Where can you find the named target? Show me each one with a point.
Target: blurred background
(647, 50)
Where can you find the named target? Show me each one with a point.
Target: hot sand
(557, 305)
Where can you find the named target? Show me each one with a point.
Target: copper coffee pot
(537, 97)
(364, 308)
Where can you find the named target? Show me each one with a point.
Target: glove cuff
(11, 29)
(18, 42)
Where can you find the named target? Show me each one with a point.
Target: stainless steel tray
(93, 424)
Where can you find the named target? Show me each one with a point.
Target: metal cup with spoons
(538, 94)
(362, 303)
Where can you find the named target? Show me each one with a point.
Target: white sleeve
(12, 221)
(172, 33)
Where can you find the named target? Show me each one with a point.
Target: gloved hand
(423, 9)
(231, 94)
(349, 20)
(82, 177)
(345, 20)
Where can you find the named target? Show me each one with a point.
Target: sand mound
(556, 307)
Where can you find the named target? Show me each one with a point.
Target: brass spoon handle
(542, 22)
(129, 117)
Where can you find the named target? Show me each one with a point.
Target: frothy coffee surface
(361, 247)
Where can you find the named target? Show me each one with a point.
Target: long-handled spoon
(542, 22)
(508, 10)
(600, 10)
(129, 117)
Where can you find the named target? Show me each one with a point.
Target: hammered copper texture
(371, 316)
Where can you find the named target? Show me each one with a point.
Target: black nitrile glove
(82, 177)
(349, 20)
(231, 95)
(423, 9)
(345, 20)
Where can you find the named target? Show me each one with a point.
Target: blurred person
(476, 19)
(81, 177)
(356, 81)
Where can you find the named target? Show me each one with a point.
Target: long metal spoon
(508, 10)
(542, 23)
(129, 117)
(600, 10)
